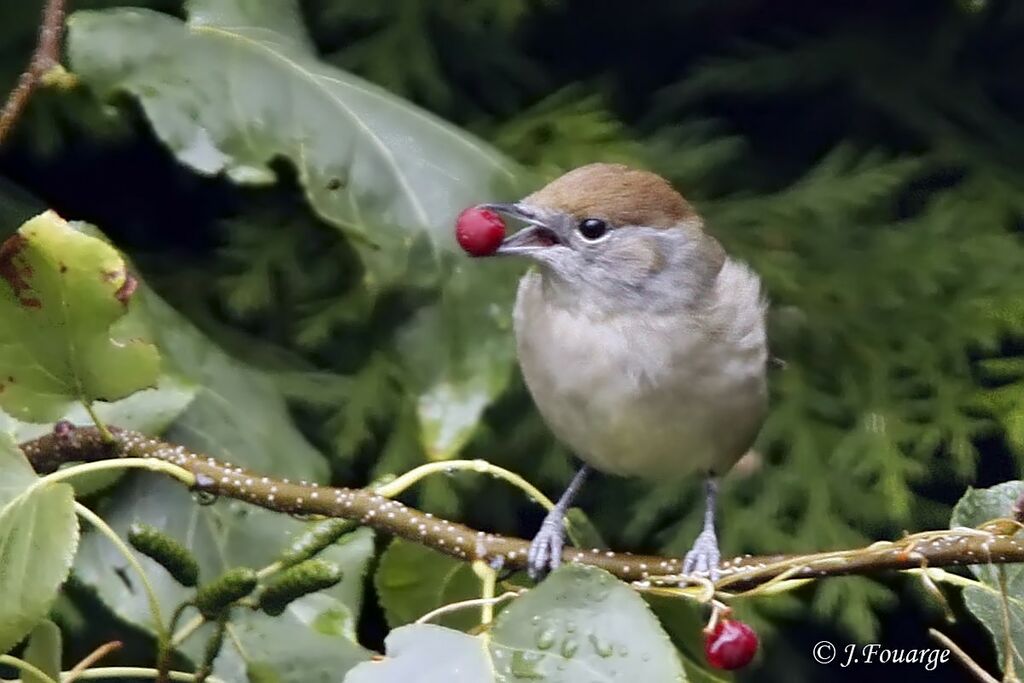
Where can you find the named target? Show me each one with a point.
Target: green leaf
(289, 649)
(427, 653)
(978, 506)
(61, 291)
(412, 580)
(449, 413)
(44, 651)
(360, 151)
(988, 603)
(238, 413)
(459, 355)
(580, 625)
(38, 538)
(16, 474)
(149, 411)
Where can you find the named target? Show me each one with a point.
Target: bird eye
(593, 228)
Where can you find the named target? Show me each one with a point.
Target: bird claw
(545, 553)
(704, 558)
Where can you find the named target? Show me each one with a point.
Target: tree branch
(994, 542)
(45, 57)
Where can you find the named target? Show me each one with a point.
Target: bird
(641, 341)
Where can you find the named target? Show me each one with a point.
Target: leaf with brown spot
(14, 271)
(125, 291)
(61, 291)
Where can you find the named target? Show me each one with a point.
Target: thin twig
(965, 659)
(90, 659)
(488, 579)
(1009, 647)
(465, 604)
(950, 547)
(45, 57)
(25, 667)
(108, 672)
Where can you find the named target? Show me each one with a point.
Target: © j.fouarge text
(873, 653)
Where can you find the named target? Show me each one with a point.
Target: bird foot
(546, 548)
(704, 558)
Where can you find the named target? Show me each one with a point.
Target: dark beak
(536, 235)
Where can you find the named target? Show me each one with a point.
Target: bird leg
(546, 548)
(704, 558)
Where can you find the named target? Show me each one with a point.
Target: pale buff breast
(668, 398)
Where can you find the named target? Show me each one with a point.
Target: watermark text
(825, 652)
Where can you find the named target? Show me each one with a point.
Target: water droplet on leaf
(602, 647)
(546, 638)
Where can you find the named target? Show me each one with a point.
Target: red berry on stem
(479, 231)
(731, 645)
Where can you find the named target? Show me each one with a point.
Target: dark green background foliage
(863, 157)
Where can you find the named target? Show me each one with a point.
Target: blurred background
(864, 157)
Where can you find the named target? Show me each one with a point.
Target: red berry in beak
(731, 645)
(479, 231)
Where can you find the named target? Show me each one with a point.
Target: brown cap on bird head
(616, 193)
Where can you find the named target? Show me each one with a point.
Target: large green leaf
(458, 356)
(426, 653)
(38, 538)
(238, 413)
(370, 163)
(580, 625)
(364, 156)
(988, 603)
(290, 649)
(60, 292)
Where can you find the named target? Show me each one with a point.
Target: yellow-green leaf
(38, 539)
(43, 651)
(60, 292)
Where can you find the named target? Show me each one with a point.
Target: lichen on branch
(994, 542)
